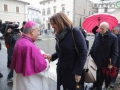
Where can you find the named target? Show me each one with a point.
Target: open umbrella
(109, 74)
(90, 22)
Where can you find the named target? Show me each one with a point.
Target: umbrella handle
(110, 61)
(77, 86)
(98, 21)
(98, 18)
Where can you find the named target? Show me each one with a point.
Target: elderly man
(116, 31)
(28, 62)
(105, 46)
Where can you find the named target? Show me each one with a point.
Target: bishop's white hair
(27, 30)
(105, 24)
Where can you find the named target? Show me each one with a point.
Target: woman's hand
(77, 78)
(98, 22)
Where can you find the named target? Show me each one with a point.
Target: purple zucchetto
(29, 24)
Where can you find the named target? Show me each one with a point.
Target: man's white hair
(117, 28)
(105, 24)
(27, 30)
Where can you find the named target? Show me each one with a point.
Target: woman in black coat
(70, 63)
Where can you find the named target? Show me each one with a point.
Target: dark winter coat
(104, 47)
(118, 59)
(10, 41)
(87, 43)
(94, 29)
(69, 62)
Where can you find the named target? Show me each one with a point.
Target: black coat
(104, 47)
(11, 39)
(69, 62)
(118, 59)
(94, 29)
(87, 43)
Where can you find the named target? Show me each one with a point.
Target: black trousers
(100, 79)
(10, 75)
(118, 67)
(9, 61)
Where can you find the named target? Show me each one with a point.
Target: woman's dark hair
(83, 32)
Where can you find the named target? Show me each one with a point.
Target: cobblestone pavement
(45, 43)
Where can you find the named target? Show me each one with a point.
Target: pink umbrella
(90, 22)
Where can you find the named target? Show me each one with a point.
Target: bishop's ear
(32, 32)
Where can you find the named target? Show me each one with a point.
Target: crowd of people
(10, 38)
(30, 65)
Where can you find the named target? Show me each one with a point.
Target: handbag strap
(77, 53)
(74, 42)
